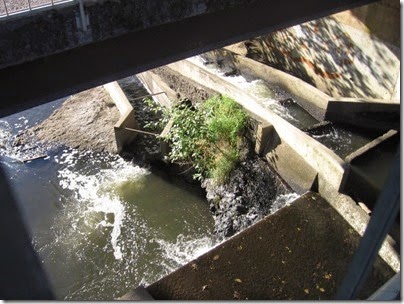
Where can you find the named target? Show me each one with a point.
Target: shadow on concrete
(323, 54)
(382, 18)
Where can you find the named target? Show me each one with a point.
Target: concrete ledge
(154, 84)
(314, 246)
(373, 115)
(127, 118)
(368, 147)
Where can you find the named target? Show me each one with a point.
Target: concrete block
(262, 138)
(164, 148)
(127, 119)
(373, 115)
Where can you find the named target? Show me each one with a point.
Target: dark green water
(101, 225)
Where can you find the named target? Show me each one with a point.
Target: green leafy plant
(207, 136)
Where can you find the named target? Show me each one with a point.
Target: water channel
(100, 224)
(342, 140)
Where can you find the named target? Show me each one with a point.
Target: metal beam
(45, 79)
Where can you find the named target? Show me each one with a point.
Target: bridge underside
(48, 55)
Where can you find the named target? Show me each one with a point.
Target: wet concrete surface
(301, 253)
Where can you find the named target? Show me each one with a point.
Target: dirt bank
(185, 88)
(85, 121)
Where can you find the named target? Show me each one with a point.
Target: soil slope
(85, 121)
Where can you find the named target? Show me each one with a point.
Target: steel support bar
(42, 80)
(383, 216)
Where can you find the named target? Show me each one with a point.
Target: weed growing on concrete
(207, 136)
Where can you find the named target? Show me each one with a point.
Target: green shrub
(208, 137)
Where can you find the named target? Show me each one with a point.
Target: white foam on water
(339, 139)
(278, 109)
(5, 133)
(20, 153)
(94, 193)
(283, 200)
(184, 250)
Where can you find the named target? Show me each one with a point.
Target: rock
(245, 198)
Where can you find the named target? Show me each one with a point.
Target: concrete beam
(153, 84)
(369, 146)
(315, 154)
(48, 56)
(127, 119)
(373, 115)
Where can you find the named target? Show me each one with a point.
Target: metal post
(82, 16)
(383, 216)
(29, 5)
(5, 6)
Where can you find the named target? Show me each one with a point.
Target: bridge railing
(11, 8)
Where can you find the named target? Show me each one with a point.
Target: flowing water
(100, 224)
(341, 140)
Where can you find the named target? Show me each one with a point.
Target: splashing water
(100, 225)
(114, 214)
(184, 250)
(96, 192)
(283, 200)
(258, 88)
